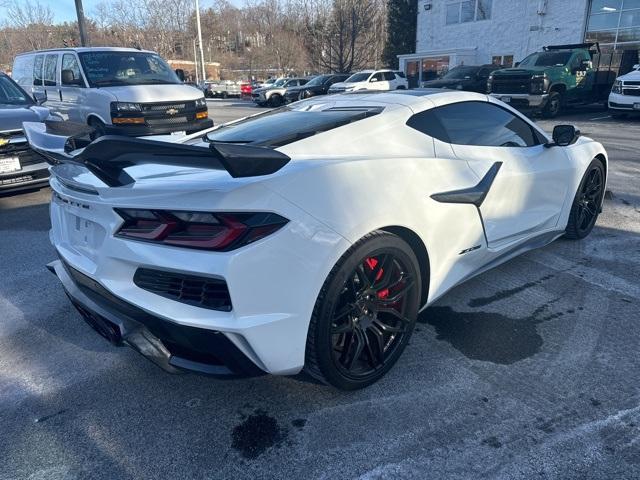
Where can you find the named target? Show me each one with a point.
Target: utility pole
(195, 57)
(204, 72)
(81, 26)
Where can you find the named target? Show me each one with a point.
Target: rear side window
(475, 123)
(37, 70)
(285, 125)
(50, 70)
(22, 71)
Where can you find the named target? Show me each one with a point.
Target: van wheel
(99, 130)
(553, 106)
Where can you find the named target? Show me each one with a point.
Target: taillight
(204, 230)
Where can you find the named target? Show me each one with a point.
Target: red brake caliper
(371, 263)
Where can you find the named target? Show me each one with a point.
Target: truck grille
(194, 290)
(18, 147)
(156, 122)
(163, 108)
(511, 84)
(633, 92)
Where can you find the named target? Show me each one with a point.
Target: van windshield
(108, 69)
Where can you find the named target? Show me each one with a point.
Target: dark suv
(470, 78)
(316, 86)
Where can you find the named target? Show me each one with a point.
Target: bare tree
(32, 17)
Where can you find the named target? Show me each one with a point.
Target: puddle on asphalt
(502, 294)
(257, 433)
(490, 337)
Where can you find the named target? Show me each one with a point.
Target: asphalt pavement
(531, 370)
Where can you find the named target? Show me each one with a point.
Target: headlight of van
(125, 107)
(617, 87)
(201, 102)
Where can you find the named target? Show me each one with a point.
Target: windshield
(107, 69)
(358, 77)
(461, 73)
(317, 80)
(546, 59)
(279, 83)
(10, 94)
(285, 125)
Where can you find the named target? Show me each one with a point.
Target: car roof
(87, 49)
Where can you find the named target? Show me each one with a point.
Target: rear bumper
(171, 346)
(523, 100)
(144, 130)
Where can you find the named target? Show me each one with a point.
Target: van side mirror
(564, 135)
(40, 97)
(373, 79)
(180, 74)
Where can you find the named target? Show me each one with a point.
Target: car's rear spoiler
(108, 156)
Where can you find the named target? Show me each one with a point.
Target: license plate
(11, 164)
(179, 134)
(506, 99)
(636, 106)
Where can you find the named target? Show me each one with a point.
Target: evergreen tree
(401, 30)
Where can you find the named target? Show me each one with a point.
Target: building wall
(515, 28)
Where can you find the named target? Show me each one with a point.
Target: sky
(65, 10)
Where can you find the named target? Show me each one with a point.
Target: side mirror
(180, 74)
(565, 135)
(374, 79)
(68, 78)
(40, 97)
(516, 65)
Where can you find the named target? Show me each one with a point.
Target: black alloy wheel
(365, 314)
(587, 202)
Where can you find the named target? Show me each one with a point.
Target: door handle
(60, 93)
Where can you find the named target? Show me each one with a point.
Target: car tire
(355, 349)
(224, 95)
(99, 128)
(275, 100)
(553, 106)
(587, 202)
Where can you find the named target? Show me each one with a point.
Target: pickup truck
(560, 76)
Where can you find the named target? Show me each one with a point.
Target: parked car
(20, 167)
(559, 76)
(371, 80)
(120, 91)
(470, 78)
(624, 98)
(316, 86)
(222, 89)
(234, 251)
(273, 95)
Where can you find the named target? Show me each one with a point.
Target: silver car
(20, 167)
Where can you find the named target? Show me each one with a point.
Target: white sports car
(308, 237)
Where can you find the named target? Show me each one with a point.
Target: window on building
(503, 60)
(468, 11)
(614, 23)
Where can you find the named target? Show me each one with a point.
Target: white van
(121, 91)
